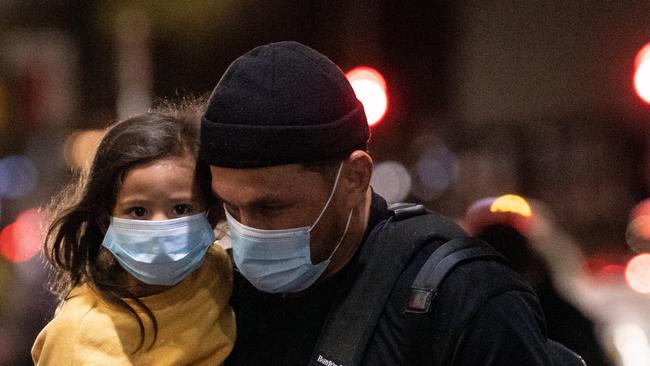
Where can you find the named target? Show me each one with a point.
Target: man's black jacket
(494, 317)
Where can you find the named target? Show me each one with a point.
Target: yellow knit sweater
(196, 326)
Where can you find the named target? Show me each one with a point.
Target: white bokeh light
(391, 180)
(631, 342)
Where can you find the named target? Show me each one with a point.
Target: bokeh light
(641, 209)
(435, 171)
(391, 180)
(637, 234)
(18, 176)
(642, 55)
(642, 74)
(80, 147)
(511, 203)
(508, 209)
(370, 88)
(632, 343)
(637, 273)
(606, 269)
(21, 240)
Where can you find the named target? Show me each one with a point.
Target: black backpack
(350, 325)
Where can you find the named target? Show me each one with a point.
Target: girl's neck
(140, 289)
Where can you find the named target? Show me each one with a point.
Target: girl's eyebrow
(133, 201)
(184, 197)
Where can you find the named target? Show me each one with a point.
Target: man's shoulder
(430, 231)
(408, 222)
(460, 296)
(480, 278)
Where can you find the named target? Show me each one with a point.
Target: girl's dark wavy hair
(80, 213)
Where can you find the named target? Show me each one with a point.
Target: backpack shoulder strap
(440, 263)
(420, 305)
(428, 280)
(382, 258)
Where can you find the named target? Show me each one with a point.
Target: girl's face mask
(162, 252)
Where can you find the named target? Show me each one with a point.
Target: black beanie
(281, 103)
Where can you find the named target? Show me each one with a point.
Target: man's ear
(358, 171)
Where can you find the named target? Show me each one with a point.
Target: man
(286, 140)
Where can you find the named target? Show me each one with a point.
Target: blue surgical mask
(279, 261)
(161, 252)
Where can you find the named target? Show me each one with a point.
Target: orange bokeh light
(370, 88)
(21, 240)
(637, 273)
(511, 203)
(638, 233)
(509, 209)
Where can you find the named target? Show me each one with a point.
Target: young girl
(131, 248)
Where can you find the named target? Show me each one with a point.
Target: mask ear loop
(336, 183)
(345, 232)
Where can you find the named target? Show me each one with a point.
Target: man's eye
(138, 212)
(272, 207)
(182, 209)
(269, 210)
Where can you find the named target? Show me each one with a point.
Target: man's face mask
(279, 261)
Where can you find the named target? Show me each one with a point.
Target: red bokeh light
(21, 240)
(605, 268)
(642, 74)
(370, 88)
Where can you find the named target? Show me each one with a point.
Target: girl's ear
(103, 222)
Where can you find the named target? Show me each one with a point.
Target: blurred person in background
(131, 248)
(507, 223)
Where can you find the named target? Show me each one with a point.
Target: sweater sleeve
(56, 344)
(80, 335)
(505, 331)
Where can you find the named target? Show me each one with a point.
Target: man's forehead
(262, 175)
(269, 183)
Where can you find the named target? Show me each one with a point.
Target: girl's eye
(138, 211)
(182, 209)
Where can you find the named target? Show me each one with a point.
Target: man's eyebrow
(261, 201)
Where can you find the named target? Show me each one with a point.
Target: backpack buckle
(420, 299)
(402, 211)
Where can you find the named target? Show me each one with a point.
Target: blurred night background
(485, 98)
